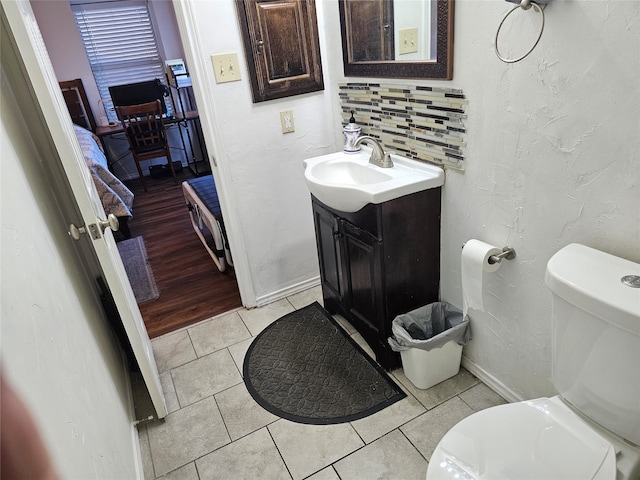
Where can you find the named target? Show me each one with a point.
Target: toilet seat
(536, 439)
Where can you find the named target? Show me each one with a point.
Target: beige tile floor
(215, 430)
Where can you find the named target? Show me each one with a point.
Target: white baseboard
(288, 291)
(491, 381)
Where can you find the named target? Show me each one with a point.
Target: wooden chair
(144, 127)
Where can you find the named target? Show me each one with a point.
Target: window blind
(120, 42)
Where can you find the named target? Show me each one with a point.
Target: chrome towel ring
(525, 5)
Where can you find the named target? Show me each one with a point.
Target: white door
(39, 70)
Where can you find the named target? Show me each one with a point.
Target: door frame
(201, 73)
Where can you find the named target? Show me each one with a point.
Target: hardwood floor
(191, 286)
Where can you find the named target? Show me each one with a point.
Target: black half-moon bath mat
(305, 368)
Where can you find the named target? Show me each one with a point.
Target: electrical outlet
(226, 67)
(408, 40)
(286, 120)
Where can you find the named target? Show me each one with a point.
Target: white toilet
(591, 429)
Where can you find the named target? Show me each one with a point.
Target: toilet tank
(596, 337)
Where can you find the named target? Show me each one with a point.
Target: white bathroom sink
(348, 182)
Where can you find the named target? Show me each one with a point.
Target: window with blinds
(120, 42)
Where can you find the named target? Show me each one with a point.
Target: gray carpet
(305, 368)
(136, 264)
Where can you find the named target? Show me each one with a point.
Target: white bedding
(116, 198)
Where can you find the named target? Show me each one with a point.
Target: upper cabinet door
(282, 47)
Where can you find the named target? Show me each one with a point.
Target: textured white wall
(552, 158)
(264, 166)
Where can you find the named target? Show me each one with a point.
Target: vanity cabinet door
(328, 240)
(379, 262)
(364, 279)
(351, 272)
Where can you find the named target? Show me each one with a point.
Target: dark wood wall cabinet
(281, 46)
(379, 262)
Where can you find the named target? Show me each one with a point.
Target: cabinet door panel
(282, 46)
(328, 238)
(364, 275)
(279, 23)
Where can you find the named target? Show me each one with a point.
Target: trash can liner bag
(429, 327)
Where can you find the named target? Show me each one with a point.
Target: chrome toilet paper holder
(508, 253)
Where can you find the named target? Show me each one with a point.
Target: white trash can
(430, 341)
(428, 368)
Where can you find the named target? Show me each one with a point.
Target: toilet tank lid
(592, 281)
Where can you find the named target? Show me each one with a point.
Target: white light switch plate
(226, 67)
(408, 40)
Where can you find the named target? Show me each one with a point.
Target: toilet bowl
(591, 429)
(537, 439)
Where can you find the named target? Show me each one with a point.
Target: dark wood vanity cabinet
(379, 262)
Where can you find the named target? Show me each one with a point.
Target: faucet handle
(378, 156)
(386, 161)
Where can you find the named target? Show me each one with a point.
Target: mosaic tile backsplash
(419, 122)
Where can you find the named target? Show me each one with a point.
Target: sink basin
(347, 181)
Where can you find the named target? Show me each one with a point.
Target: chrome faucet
(378, 156)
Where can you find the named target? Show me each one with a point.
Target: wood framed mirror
(397, 38)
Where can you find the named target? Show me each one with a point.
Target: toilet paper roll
(475, 261)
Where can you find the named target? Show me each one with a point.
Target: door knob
(111, 222)
(75, 232)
